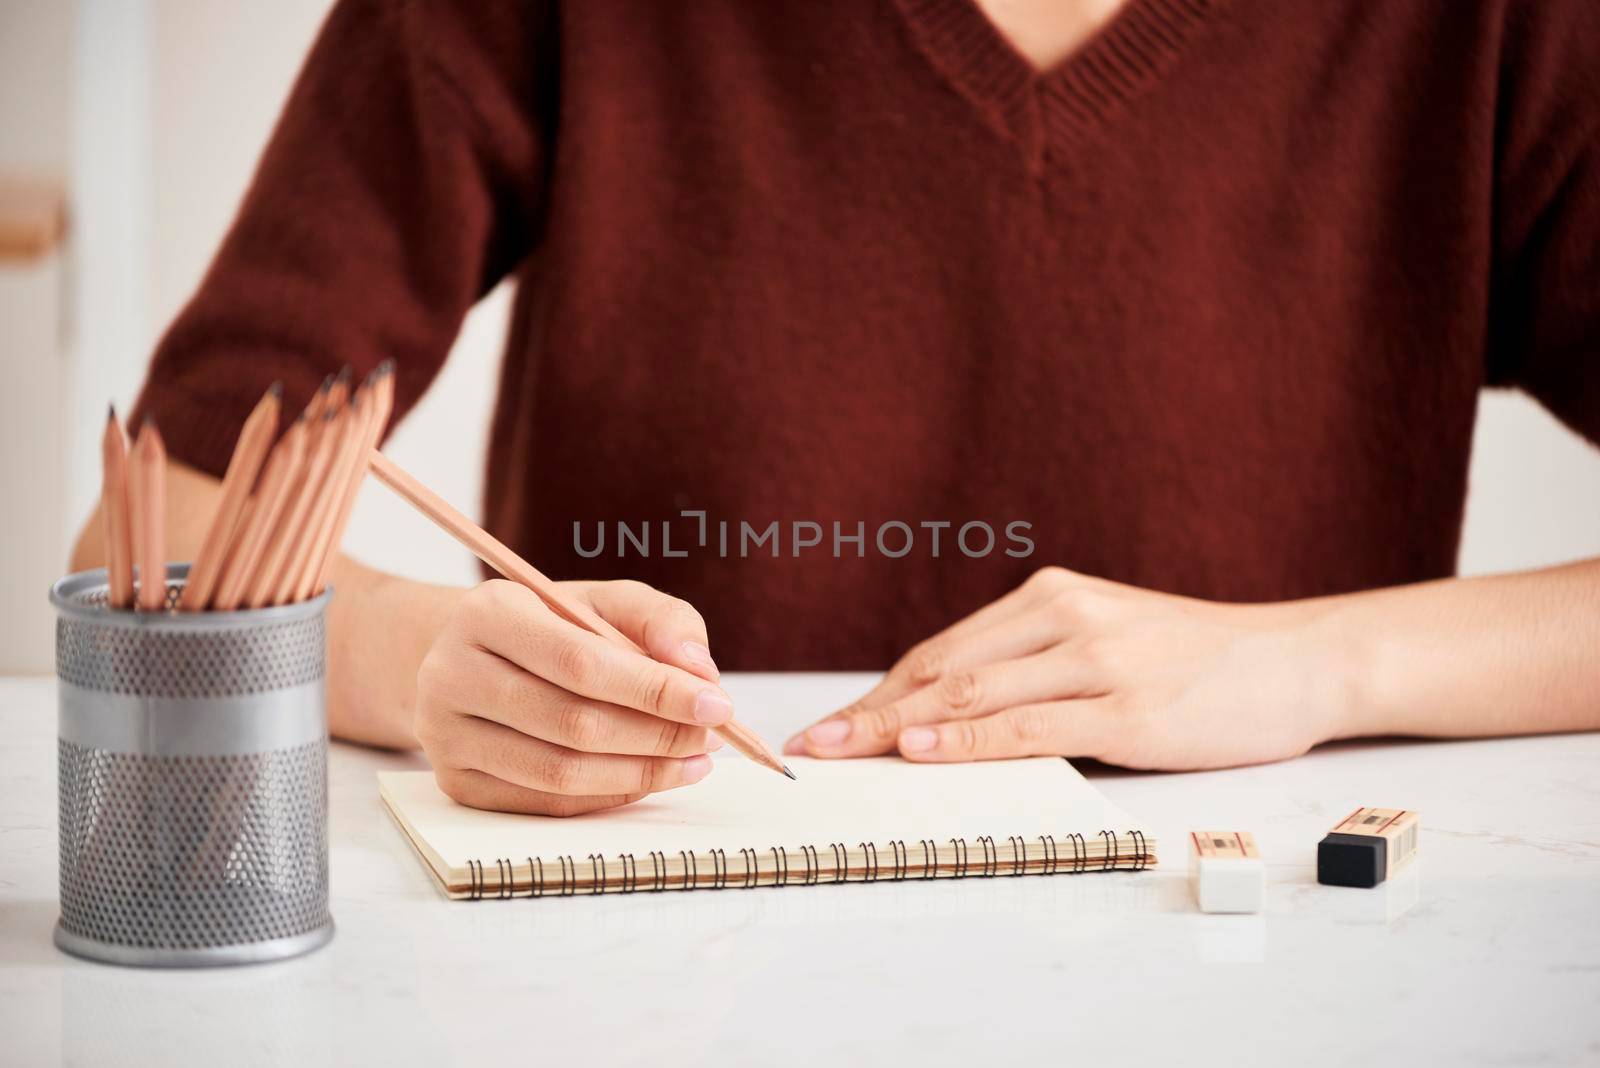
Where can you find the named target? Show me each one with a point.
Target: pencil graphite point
(327, 384)
(276, 389)
(111, 413)
(343, 375)
(791, 774)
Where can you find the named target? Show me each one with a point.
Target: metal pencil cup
(193, 780)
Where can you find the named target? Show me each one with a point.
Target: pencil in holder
(193, 782)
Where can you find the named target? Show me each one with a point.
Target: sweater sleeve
(1545, 315)
(402, 182)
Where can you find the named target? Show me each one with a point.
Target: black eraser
(1352, 860)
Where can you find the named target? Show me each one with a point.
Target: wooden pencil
(496, 554)
(319, 523)
(249, 453)
(148, 481)
(382, 387)
(114, 513)
(318, 418)
(277, 481)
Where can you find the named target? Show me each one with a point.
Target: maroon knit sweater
(1207, 307)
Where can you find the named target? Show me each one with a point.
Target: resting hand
(521, 711)
(1075, 666)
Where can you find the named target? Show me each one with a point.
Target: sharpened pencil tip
(276, 389)
(789, 773)
(111, 413)
(343, 375)
(327, 384)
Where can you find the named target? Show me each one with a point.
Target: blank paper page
(743, 805)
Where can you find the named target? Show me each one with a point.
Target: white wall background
(36, 45)
(215, 76)
(171, 102)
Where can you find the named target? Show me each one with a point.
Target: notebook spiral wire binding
(812, 867)
(693, 866)
(1142, 857)
(962, 863)
(1080, 852)
(630, 872)
(1050, 861)
(719, 870)
(751, 874)
(658, 870)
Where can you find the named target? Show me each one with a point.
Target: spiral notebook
(743, 827)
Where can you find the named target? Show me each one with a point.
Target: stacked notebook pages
(878, 820)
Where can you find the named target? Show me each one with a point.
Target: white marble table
(1486, 952)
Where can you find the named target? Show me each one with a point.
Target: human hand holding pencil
(563, 698)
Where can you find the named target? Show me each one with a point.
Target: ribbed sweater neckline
(1054, 107)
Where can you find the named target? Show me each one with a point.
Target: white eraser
(1225, 871)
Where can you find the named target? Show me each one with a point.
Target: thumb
(666, 627)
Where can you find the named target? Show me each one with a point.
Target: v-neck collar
(1042, 110)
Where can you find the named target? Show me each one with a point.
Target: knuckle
(958, 692)
(631, 589)
(438, 737)
(925, 663)
(577, 664)
(882, 723)
(497, 595)
(425, 725)
(686, 613)
(652, 775)
(655, 690)
(557, 772)
(434, 739)
(672, 738)
(1030, 726)
(964, 739)
(582, 726)
(1049, 577)
(664, 615)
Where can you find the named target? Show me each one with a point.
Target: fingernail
(918, 740)
(696, 768)
(713, 741)
(711, 708)
(795, 746)
(829, 732)
(700, 656)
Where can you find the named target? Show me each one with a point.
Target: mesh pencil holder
(193, 780)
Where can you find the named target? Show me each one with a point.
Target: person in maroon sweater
(1107, 367)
